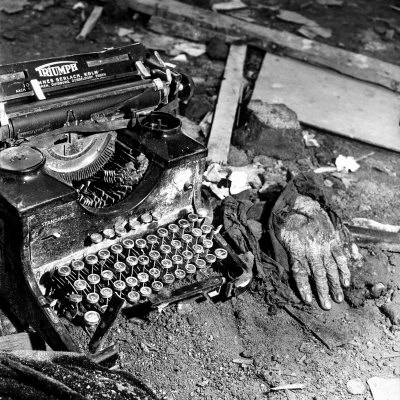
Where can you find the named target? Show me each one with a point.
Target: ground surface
(188, 350)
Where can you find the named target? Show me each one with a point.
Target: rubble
(356, 386)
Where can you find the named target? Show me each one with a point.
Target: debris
(228, 100)
(180, 58)
(313, 31)
(243, 361)
(217, 49)
(356, 386)
(90, 23)
(13, 6)
(212, 173)
(221, 193)
(371, 224)
(290, 395)
(228, 6)
(190, 128)
(147, 347)
(203, 383)
(395, 8)
(78, 5)
(291, 386)
(124, 31)
(346, 164)
(309, 139)
(238, 181)
(295, 18)
(192, 49)
(185, 307)
(324, 170)
(205, 123)
(384, 388)
(337, 3)
(352, 64)
(237, 157)
(306, 348)
(43, 5)
(392, 309)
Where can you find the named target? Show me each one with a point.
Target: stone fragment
(217, 49)
(237, 157)
(378, 290)
(356, 386)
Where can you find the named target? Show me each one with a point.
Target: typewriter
(100, 194)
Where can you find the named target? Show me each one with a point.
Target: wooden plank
(346, 62)
(330, 101)
(90, 23)
(228, 100)
(22, 341)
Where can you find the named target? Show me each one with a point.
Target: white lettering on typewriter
(58, 219)
(57, 68)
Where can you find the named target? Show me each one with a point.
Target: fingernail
(327, 305)
(308, 298)
(346, 282)
(339, 297)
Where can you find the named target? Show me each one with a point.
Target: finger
(341, 262)
(333, 276)
(320, 278)
(300, 276)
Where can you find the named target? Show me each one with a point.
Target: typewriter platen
(100, 192)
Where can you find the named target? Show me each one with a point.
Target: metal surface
(21, 159)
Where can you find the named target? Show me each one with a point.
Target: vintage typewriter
(100, 194)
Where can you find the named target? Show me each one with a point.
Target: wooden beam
(90, 23)
(343, 61)
(228, 100)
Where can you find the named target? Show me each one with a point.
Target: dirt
(241, 348)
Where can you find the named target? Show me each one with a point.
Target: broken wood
(327, 100)
(22, 341)
(228, 100)
(90, 23)
(346, 62)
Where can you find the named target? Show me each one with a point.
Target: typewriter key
(131, 281)
(183, 224)
(180, 273)
(207, 244)
(221, 254)
(210, 259)
(134, 224)
(186, 238)
(154, 273)
(119, 267)
(77, 265)
(64, 271)
(133, 297)
(190, 269)
(120, 231)
(116, 249)
(146, 218)
(177, 259)
(143, 261)
(141, 244)
(156, 215)
(93, 279)
(91, 318)
(131, 261)
(176, 244)
(154, 255)
(196, 232)
(202, 213)
(142, 277)
(91, 260)
(75, 298)
(106, 293)
(192, 218)
(206, 229)
(163, 233)
(157, 286)
(103, 254)
(96, 238)
(80, 285)
(200, 263)
(92, 298)
(128, 244)
(197, 249)
(109, 233)
(152, 240)
(145, 291)
(119, 285)
(107, 275)
(169, 278)
(173, 228)
(166, 264)
(165, 249)
(187, 255)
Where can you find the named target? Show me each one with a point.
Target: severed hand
(316, 249)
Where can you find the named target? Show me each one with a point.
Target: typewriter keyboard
(136, 268)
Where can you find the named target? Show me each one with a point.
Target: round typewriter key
(169, 278)
(200, 263)
(96, 238)
(190, 269)
(93, 279)
(198, 249)
(196, 232)
(134, 224)
(140, 244)
(176, 244)
(183, 224)
(210, 259)
(116, 249)
(91, 259)
(131, 261)
(120, 231)
(80, 285)
(173, 228)
(103, 254)
(177, 259)
(152, 240)
(109, 233)
(92, 298)
(163, 233)
(146, 218)
(206, 229)
(144, 261)
(77, 265)
(180, 273)
(187, 255)
(192, 218)
(107, 275)
(207, 244)
(131, 281)
(142, 277)
(157, 286)
(145, 291)
(154, 255)
(156, 215)
(221, 254)
(133, 297)
(154, 273)
(202, 212)
(166, 264)
(128, 244)
(186, 238)
(91, 318)
(75, 298)
(119, 285)
(64, 271)
(106, 293)
(165, 249)
(119, 267)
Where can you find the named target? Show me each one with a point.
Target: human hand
(316, 249)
